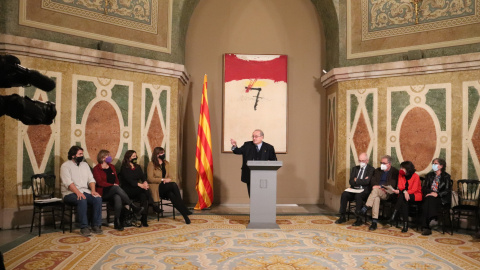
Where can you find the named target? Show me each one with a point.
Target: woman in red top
(409, 190)
(108, 187)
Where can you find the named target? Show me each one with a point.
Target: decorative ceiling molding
(74, 54)
(402, 68)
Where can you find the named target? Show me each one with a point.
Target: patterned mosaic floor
(222, 242)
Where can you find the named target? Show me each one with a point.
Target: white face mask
(383, 167)
(363, 164)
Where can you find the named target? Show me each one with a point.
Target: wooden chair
(107, 206)
(468, 201)
(162, 203)
(159, 201)
(44, 200)
(68, 210)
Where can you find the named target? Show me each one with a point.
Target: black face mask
(78, 160)
(134, 160)
(162, 157)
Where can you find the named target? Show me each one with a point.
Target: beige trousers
(373, 200)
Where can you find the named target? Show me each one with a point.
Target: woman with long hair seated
(409, 190)
(158, 173)
(436, 192)
(108, 187)
(134, 184)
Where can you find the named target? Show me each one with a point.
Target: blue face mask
(435, 167)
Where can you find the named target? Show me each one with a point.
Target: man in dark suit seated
(256, 149)
(384, 176)
(360, 177)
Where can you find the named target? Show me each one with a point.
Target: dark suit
(249, 152)
(376, 195)
(363, 182)
(392, 178)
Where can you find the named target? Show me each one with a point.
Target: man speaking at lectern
(256, 149)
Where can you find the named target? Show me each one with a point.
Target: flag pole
(203, 155)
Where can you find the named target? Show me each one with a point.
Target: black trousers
(142, 195)
(170, 191)
(402, 205)
(116, 196)
(430, 208)
(359, 198)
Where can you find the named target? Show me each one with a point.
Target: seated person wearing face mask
(409, 191)
(108, 187)
(436, 192)
(135, 185)
(162, 184)
(384, 176)
(78, 188)
(360, 177)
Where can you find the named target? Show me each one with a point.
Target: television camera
(28, 111)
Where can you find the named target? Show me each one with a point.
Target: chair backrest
(43, 186)
(468, 192)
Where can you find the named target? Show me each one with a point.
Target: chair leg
(451, 221)
(443, 222)
(40, 222)
(62, 221)
(71, 218)
(53, 217)
(33, 219)
(161, 206)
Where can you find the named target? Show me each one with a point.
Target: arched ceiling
(326, 12)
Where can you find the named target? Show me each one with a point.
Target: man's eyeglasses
(255, 136)
(384, 163)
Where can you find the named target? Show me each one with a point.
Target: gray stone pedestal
(263, 194)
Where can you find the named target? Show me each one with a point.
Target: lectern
(263, 194)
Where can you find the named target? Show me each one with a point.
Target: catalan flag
(203, 160)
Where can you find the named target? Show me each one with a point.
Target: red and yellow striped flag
(203, 160)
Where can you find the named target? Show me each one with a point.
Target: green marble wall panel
(156, 114)
(331, 138)
(419, 125)
(102, 111)
(437, 99)
(86, 93)
(471, 130)
(362, 126)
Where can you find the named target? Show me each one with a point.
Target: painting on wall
(255, 97)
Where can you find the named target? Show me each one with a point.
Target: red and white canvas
(255, 97)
